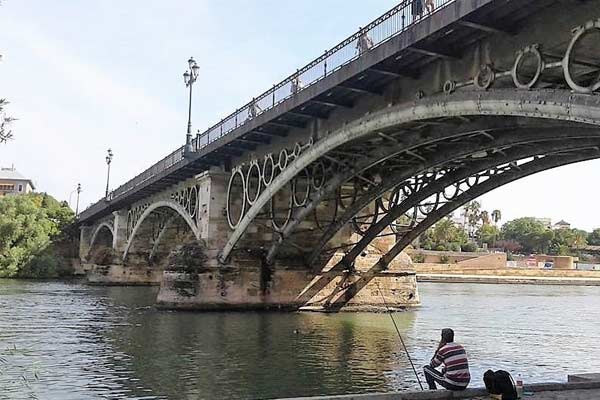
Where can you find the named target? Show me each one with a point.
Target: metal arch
(160, 235)
(499, 180)
(97, 231)
(380, 155)
(553, 104)
(458, 175)
(160, 204)
(447, 154)
(530, 168)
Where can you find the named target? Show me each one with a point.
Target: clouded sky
(83, 76)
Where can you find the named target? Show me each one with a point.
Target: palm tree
(496, 216)
(473, 215)
(485, 217)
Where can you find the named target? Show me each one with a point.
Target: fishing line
(399, 335)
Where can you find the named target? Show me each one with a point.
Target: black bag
(500, 383)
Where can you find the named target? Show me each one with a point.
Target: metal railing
(388, 25)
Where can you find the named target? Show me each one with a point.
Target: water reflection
(97, 343)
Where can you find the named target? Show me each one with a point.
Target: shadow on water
(110, 342)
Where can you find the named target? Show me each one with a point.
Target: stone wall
(460, 259)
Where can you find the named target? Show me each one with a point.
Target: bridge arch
(464, 114)
(101, 241)
(173, 212)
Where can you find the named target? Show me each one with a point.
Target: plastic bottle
(519, 386)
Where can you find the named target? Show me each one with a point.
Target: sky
(85, 76)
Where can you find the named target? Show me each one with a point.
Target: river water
(71, 341)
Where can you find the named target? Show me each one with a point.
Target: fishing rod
(399, 335)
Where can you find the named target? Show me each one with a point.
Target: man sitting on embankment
(455, 367)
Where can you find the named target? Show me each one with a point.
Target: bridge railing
(385, 27)
(388, 25)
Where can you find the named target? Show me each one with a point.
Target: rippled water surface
(71, 341)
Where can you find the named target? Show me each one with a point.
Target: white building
(12, 182)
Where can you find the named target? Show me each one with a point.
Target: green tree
(28, 225)
(532, 235)
(472, 216)
(444, 235)
(580, 238)
(488, 234)
(496, 216)
(594, 237)
(566, 241)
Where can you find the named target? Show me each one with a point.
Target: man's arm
(437, 359)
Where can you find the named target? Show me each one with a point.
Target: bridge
(307, 195)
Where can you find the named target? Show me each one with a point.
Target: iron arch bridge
(365, 157)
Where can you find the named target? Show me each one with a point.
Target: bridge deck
(337, 79)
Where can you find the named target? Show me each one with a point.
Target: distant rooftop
(11, 174)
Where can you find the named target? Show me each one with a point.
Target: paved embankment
(547, 391)
(449, 274)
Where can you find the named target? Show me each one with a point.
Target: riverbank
(448, 273)
(582, 390)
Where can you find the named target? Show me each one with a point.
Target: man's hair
(447, 335)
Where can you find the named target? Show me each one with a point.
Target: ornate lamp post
(189, 77)
(109, 158)
(77, 207)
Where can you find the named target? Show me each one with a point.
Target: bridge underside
(319, 218)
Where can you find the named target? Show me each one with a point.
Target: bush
(469, 247)
(418, 258)
(188, 258)
(444, 259)
(46, 265)
(454, 247)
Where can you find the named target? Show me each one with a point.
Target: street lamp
(78, 190)
(109, 158)
(189, 77)
(77, 207)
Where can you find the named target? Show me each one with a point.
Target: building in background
(562, 224)
(12, 182)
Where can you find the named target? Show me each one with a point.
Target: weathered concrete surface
(548, 391)
(120, 275)
(247, 285)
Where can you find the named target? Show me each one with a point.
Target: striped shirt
(453, 357)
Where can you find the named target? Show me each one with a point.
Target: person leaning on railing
(364, 42)
(430, 6)
(296, 84)
(253, 109)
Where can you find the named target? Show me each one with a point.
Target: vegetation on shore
(523, 235)
(37, 237)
